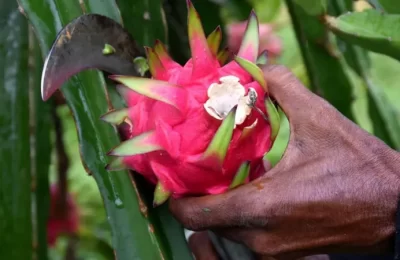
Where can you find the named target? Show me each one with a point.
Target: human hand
(334, 190)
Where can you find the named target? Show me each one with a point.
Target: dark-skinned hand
(334, 190)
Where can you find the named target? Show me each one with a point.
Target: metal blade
(79, 46)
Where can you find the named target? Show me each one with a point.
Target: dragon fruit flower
(61, 221)
(201, 128)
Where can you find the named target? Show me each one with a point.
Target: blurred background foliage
(363, 85)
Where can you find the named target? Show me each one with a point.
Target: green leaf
(145, 20)
(238, 10)
(42, 124)
(369, 29)
(384, 116)
(389, 6)
(132, 236)
(382, 113)
(107, 8)
(267, 10)
(313, 7)
(15, 175)
(325, 70)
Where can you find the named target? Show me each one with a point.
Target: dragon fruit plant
(201, 128)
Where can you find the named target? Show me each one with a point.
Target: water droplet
(118, 202)
(146, 16)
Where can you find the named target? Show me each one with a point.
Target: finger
(230, 209)
(291, 95)
(202, 247)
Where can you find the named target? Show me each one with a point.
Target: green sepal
(115, 117)
(161, 195)
(219, 145)
(116, 164)
(273, 116)
(140, 144)
(214, 40)
(223, 56)
(241, 175)
(154, 89)
(253, 70)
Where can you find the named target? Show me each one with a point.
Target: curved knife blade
(79, 46)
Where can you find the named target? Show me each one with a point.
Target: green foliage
(326, 73)
(15, 175)
(369, 29)
(381, 112)
(313, 7)
(389, 6)
(40, 114)
(144, 19)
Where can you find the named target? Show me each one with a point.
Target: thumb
(291, 95)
